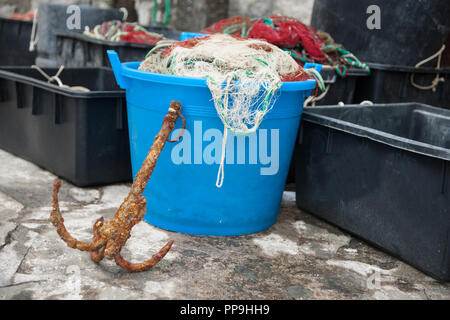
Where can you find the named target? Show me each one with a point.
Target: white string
(33, 39)
(221, 172)
(314, 99)
(58, 80)
(125, 13)
(365, 102)
(436, 79)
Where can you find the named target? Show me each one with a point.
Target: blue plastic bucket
(182, 195)
(190, 35)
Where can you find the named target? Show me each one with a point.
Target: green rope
(269, 96)
(251, 26)
(269, 22)
(262, 61)
(96, 33)
(167, 13)
(159, 46)
(154, 9)
(117, 35)
(109, 34)
(153, 34)
(339, 72)
(172, 64)
(319, 79)
(232, 29)
(244, 30)
(166, 71)
(296, 56)
(347, 58)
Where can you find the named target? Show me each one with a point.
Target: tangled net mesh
(242, 75)
(117, 30)
(301, 41)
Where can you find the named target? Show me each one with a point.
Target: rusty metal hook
(182, 129)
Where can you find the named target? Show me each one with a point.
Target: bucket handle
(316, 66)
(314, 70)
(117, 68)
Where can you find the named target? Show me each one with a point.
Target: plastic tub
(56, 18)
(390, 84)
(80, 136)
(182, 195)
(190, 35)
(14, 42)
(77, 50)
(381, 172)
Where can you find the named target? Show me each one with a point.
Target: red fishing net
(224, 25)
(302, 42)
(126, 32)
(27, 16)
(139, 37)
(284, 32)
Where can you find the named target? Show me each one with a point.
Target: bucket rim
(310, 114)
(408, 69)
(9, 73)
(130, 69)
(117, 44)
(16, 21)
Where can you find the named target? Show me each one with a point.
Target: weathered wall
(194, 15)
(186, 15)
(300, 9)
(9, 6)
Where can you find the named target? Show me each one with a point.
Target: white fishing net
(242, 75)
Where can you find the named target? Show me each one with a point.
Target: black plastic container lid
(339, 116)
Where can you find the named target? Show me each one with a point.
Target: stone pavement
(300, 257)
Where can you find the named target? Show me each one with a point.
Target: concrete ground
(300, 257)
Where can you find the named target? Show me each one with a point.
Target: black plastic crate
(167, 33)
(409, 31)
(381, 172)
(80, 136)
(392, 84)
(15, 38)
(53, 19)
(341, 88)
(78, 50)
